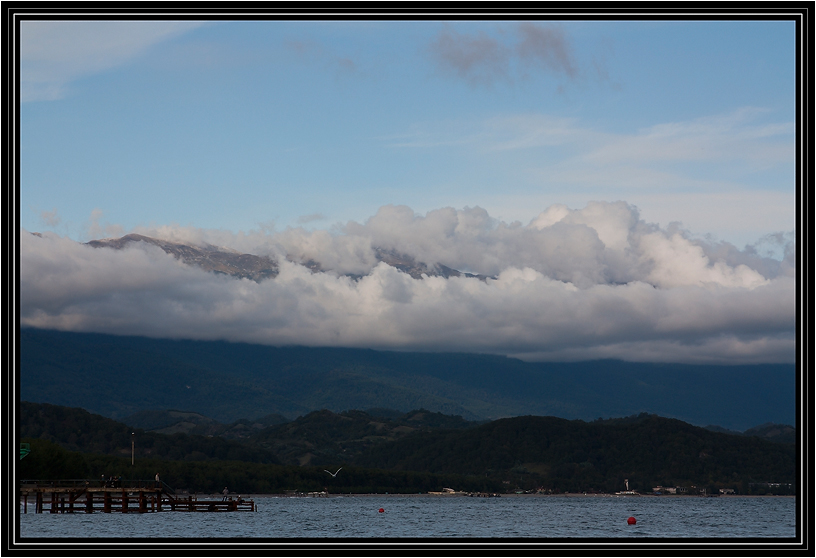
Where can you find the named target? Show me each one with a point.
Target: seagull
(333, 474)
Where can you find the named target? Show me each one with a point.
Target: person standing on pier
(225, 492)
(158, 482)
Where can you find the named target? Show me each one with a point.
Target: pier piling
(147, 496)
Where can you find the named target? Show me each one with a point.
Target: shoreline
(219, 497)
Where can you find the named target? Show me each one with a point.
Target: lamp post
(132, 446)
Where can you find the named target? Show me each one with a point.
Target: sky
(629, 184)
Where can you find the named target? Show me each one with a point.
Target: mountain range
(117, 376)
(219, 259)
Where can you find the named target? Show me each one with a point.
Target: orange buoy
(631, 521)
(381, 510)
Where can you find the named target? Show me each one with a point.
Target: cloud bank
(597, 282)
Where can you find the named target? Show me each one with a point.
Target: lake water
(424, 516)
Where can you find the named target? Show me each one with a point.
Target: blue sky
(628, 187)
(264, 125)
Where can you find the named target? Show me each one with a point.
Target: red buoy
(381, 510)
(631, 521)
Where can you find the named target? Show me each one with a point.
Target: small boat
(448, 492)
(627, 492)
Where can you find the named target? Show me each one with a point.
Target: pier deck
(131, 497)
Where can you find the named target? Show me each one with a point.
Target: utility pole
(132, 447)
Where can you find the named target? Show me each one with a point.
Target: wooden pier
(81, 496)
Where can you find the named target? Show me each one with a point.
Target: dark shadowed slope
(118, 376)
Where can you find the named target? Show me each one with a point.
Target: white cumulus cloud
(596, 282)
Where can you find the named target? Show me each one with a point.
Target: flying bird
(333, 474)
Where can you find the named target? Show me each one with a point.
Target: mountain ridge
(117, 376)
(218, 259)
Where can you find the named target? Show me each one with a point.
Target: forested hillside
(51, 461)
(575, 455)
(517, 453)
(119, 376)
(78, 430)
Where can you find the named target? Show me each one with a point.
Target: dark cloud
(478, 59)
(481, 59)
(597, 282)
(546, 47)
